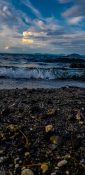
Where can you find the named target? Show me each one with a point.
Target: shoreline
(42, 127)
(12, 84)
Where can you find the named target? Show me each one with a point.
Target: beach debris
(44, 167)
(48, 128)
(62, 163)
(27, 171)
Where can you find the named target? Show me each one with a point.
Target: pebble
(27, 172)
(67, 172)
(44, 167)
(62, 163)
(54, 173)
(27, 154)
(1, 151)
(48, 128)
(78, 115)
(2, 159)
(52, 146)
(16, 166)
(67, 156)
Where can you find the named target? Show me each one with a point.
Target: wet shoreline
(42, 131)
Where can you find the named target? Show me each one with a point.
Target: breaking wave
(42, 73)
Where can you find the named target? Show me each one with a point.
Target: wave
(42, 73)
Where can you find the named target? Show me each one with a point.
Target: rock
(27, 171)
(1, 151)
(67, 156)
(44, 167)
(78, 115)
(81, 123)
(16, 166)
(52, 146)
(27, 154)
(16, 160)
(54, 173)
(2, 159)
(48, 128)
(67, 172)
(62, 163)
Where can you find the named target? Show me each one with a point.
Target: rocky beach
(42, 131)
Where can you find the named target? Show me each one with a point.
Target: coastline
(24, 115)
(39, 84)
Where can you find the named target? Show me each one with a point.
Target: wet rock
(44, 167)
(48, 128)
(62, 163)
(2, 159)
(27, 172)
(78, 115)
(67, 172)
(52, 146)
(54, 173)
(27, 154)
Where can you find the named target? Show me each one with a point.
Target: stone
(44, 167)
(67, 172)
(62, 163)
(27, 171)
(27, 154)
(48, 128)
(54, 173)
(52, 146)
(16, 166)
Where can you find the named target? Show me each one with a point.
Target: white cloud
(71, 11)
(77, 9)
(75, 20)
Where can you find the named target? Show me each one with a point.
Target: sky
(42, 26)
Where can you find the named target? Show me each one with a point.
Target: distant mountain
(74, 55)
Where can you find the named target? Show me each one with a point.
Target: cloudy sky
(42, 26)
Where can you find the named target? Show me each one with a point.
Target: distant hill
(74, 55)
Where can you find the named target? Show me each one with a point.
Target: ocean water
(39, 71)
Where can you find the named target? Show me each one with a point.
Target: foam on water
(41, 73)
(38, 70)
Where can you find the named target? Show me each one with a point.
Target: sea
(40, 71)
